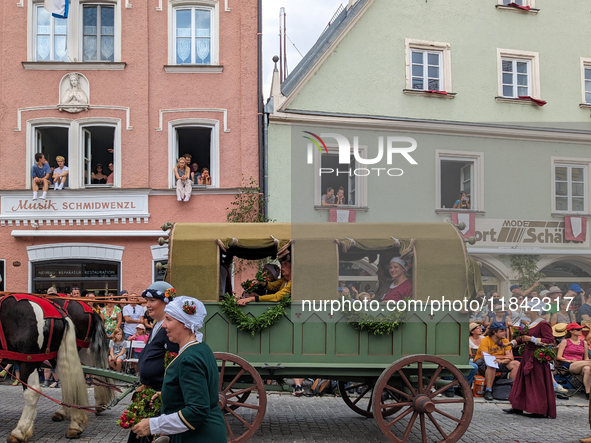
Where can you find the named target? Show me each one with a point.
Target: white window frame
(515, 75)
(477, 180)
(585, 64)
(534, 71)
(445, 61)
(577, 163)
(212, 5)
(75, 146)
(425, 65)
(75, 41)
(36, 7)
(361, 185)
(530, 3)
(214, 155)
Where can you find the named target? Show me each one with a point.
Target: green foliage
(253, 325)
(376, 325)
(526, 266)
(142, 407)
(248, 205)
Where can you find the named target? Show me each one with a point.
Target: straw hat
(559, 330)
(473, 326)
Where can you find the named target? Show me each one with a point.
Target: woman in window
(340, 197)
(182, 172)
(98, 178)
(463, 202)
(205, 178)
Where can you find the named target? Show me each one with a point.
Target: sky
(306, 19)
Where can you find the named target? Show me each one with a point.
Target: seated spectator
(497, 315)
(117, 349)
(132, 315)
(340, 197)
(401, 286)
(195, 174)
(183, 180)
(563, 316)
(140, 335)
(111, 176)
(277, 289)
(205, 178)
(555, 295)
(573, 353)
(496, 345)
(559, 331)
(584, 313)
(60, 174)
(40, 173)
(463, 202)
(98, 178)
(328, 199)
(475, 338)
(111, 316)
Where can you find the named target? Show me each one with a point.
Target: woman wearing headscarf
(401, 286)
(190, 410)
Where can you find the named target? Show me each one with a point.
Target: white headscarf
(179, 309)
(401, 262)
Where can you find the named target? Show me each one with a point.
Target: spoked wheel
(359, 396)
(437, 418)
(242, 411)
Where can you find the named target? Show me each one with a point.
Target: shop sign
(523, 233)
(83, 206)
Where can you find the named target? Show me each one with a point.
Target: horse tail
(99, 358)
(70, 372)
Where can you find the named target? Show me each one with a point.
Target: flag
(575, 228)
(58, 8)
(469, 219)
(342, 216)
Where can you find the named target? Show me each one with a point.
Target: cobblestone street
(324, 419)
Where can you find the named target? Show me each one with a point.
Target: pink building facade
(128, 83)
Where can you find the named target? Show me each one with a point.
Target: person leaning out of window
(463, 202)
(204, 178)
(182, 173)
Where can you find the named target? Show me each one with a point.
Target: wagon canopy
(441, 266)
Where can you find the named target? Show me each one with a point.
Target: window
(428, 66)
(90, 34)
(89, 146)
(519, 75)
(159, 271)
(460, 171)
(2, 275)
(570, 185)
(98, 33)
(586, 80)
(51, 35)
(87, 275)
(344, 185)
(200, 139)
(426, 70)
(588, 85)
(516, 78)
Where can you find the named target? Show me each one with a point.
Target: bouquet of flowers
(168, 358)
(142, 407)
(544, 354)
(520, 331)
(251, 286)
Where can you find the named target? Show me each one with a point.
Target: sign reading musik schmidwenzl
(524, 233)
(57, 205)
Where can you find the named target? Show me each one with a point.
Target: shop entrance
(98, 276)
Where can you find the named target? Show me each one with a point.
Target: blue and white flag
(58, 8)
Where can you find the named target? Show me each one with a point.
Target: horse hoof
(12, 439)
(100, 410)
(73, 433)
(57, 417)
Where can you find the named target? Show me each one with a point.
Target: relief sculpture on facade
(74, 92)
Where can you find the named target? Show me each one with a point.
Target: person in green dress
(190, 410)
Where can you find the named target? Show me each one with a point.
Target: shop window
(570, 187)
(159, 272)
(490, 282)
(201, 143)
(459, 171)
(564, 273)
(87, 275)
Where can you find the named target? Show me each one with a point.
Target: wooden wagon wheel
(438, 419)
(242, 418)
(359, 396)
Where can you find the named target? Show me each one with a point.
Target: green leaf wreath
(376, 325)
(253, 325)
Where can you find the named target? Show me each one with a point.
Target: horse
(92, 343)
(33, 329)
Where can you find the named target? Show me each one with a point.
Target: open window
(200, 140)
(457, 172)
(98, 149)
(52, 141)
(343, 184)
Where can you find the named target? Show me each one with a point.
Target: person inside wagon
(275, 290)
(401, 286)
(271, 271)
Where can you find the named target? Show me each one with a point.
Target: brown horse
(33, 329)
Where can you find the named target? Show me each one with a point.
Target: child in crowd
(117, 349)
(140, 335)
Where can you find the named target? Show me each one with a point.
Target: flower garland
(251, 286)
(142, 407)
(253, 325)
(168, 358)
(544, 355)
(375, 325)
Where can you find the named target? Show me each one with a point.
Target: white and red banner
(469, 219)
(575, 228)
(342, 216)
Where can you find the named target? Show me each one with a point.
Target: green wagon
(396, 378)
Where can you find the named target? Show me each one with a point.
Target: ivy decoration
(376, 325)
(253, 325)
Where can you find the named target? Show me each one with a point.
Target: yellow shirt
(489, 346)
(281, 288)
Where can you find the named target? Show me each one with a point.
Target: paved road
(323, 419)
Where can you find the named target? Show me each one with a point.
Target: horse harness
(87, 310)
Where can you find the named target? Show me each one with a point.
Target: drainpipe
(261, 115)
